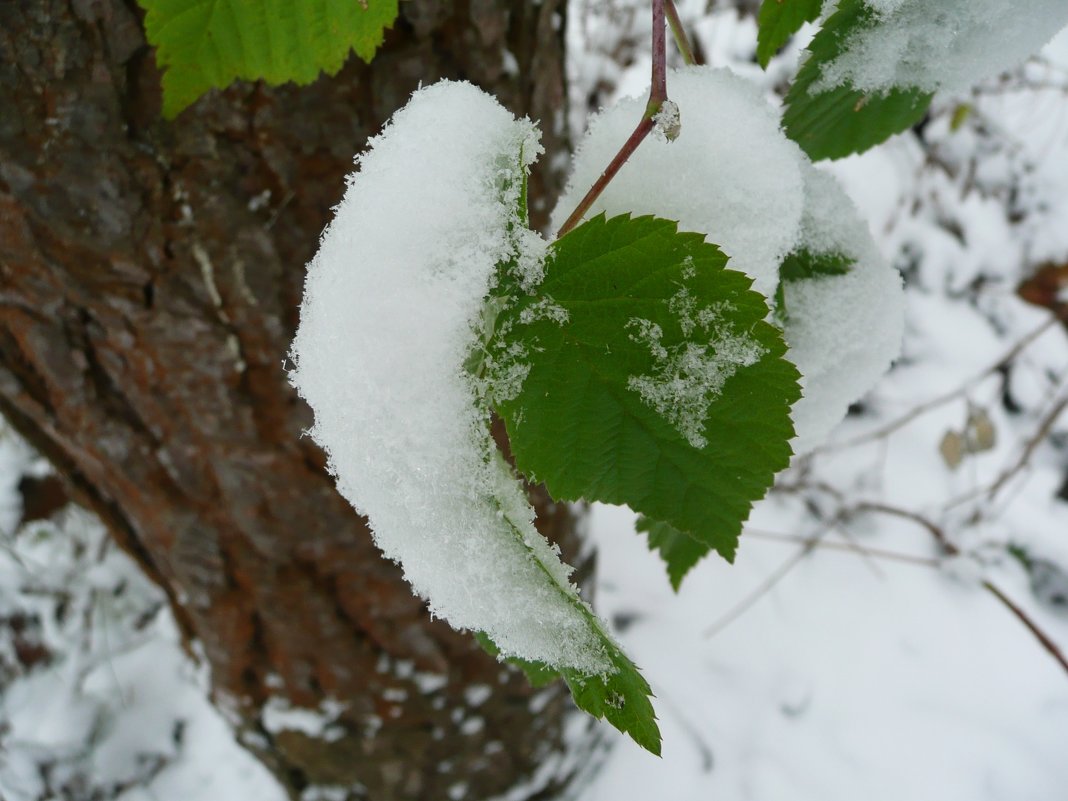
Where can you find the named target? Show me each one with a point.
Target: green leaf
(805, 264)
(830, 124)
(652, 379)
(678, 549)
(201, 44)
(778, 21)
(538, 673)
(621, 698)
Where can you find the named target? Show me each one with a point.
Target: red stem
(657, 96)
(642, 131)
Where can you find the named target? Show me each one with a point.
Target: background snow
(857, 676)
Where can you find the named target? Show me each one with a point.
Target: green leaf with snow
(538, 673)
(778, 21)
(205, 44)
(678, 549)
(803, 265)
(621, 697)
(830, 123)
(642, 372)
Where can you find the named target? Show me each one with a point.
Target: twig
(923, 408)
(679, 32)
(1022, 461)
(1032, 444)
(848, 547)
(657, 96)
(658, 89)
(936, 531)
(1026, 619)
(743, 606)
(642, 131)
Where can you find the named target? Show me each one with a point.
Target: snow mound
(730, 174)
(390, 314)
(948, 45)
(843, 330)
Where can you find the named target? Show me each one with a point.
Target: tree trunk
(150, 276)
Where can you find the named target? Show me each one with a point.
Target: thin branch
(1022, 461)
(855, 548)
(657, 96)
(1041, 433)
(643, 130)
(936, 531)
(682, 42)
(1026, 619)
(768, 584)
(923, 408)
(939, 535)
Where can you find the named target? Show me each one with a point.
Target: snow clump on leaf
(945, 45)
(391, 312)
(843, 330)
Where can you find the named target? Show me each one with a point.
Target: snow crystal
(688, 377)
(392, 305)
(686, 383)
(843, 330)
(667, 122)
(730, 174)
(949, 45)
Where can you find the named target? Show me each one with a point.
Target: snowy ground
(844, 656)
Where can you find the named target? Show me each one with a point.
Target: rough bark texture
(150, 275)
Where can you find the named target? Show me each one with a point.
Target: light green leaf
(205, 44)
(678, 549)
(778, 21)
(651, 379)
(832, 123)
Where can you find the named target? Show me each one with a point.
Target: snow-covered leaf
(621, 697)
(394, 305)
(651, 378)
(205, 44)
(804, 264)
(779, 20)
(832, 121)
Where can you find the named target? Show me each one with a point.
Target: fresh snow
(689, 377)
(945, 45)
(391, 312)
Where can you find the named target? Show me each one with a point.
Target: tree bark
(150, 276)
